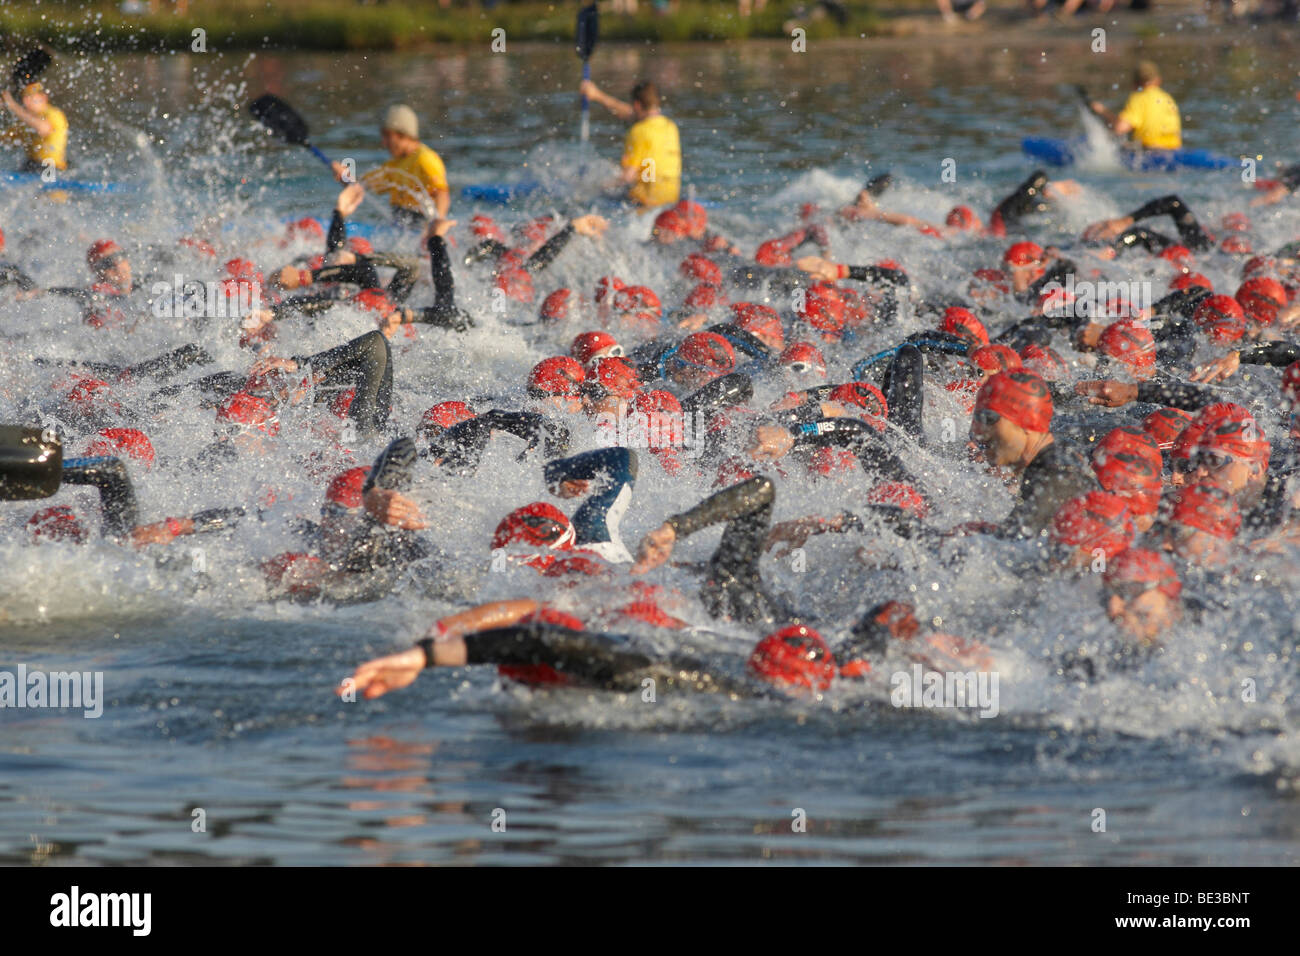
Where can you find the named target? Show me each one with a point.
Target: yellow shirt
(409, 181)
(654, 150)
(1153, 114)
(40, 148)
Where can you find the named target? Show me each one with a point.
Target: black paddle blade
(280, 118)
(29, 68)
(31, 463)
(586, 31)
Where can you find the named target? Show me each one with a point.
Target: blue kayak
(70, 185)
(500, 194)
(1066, 152)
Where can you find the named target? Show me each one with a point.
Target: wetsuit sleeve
(170, 363)
(116, 494)
(881, 274)
(1177, 394)
(1181, 302)
(746, 342)
(337, 237)
(533, 428)
(216, 519)
(1027, 198)
(734, 389)
(726, 505)
(361, 273)
(1141, 237)
(1274, 353)
(553, 246)
(599, 658)
(406, 270)
(859, 438)
(444, 311)
(1189, 230)
(1056, 274)
(1290, 178)
(613, 473)
(1052, 479)
(12, 275)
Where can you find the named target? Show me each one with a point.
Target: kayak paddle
(284, 122)
(31, 463)
(586, 43)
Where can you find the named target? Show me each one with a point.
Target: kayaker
(652, 151)
(413, 177)
(45, 138)
(1150, 113)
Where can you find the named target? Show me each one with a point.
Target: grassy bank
(347, 25)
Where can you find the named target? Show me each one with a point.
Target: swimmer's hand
(1107, 392)
(656, 548)
(377, 677)
(350, 197)
(792, 533)
(572, 488)
(771, 442)
(590, 225)
(1107, 229)
(693, 323)
(269, 363)
(437, 227)
(1218, 369)
(395, 509)
(1059, 189)
(819, 268)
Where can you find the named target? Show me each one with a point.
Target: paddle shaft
(586, 105)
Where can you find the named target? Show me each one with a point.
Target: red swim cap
(537, 525)
(760, 321)
(444, 415)
(1095, 521)
(795, 655)
(1291, 384)
(56, 523)
(1164, 425)
(1149, 569)
(1129, 343)
(589, 346)
(865, 396)
(1188, 280)
(995, 358)
(126, 441)
(606, 286)
(961, 321)
(1127, 463)
(1023, 254)
(484, 227)
(306, 228)
(963, 217)
(616, 376)
(103, 254)
(1021, 397)
(704, 297)
(701, 268)
(1238, 245)
(1207, 508)
(707, 350)
(685, 220)
(804, 358)
(1178, 254)
(1260, 298)
(246, 409)
(516, 283)
(901, 495)
(555, 306)
(558, 375)
(1220, 318)
(1045, 361)
(1234, 432)
(823, 309)
(361, 245)
(373, 300)
(344, 489)
(638, 298)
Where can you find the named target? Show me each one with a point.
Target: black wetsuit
(1059, 472)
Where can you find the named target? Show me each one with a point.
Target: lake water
(218, 700)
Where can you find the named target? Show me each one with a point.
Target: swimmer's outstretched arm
(443, 646)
